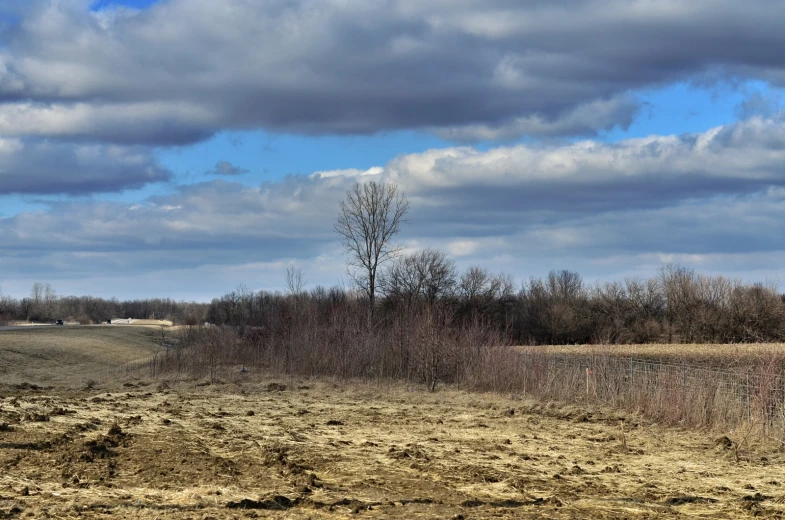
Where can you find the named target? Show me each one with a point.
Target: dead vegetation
(717, 355)
(72, 356)
(252, 444)
(311, 449)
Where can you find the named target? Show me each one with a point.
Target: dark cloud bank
(184, 69)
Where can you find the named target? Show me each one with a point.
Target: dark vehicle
(108, 322)
(59, 322)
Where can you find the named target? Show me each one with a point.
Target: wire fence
(677, 393)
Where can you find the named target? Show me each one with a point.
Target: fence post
(749, 412)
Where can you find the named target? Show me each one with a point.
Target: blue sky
(180, 142)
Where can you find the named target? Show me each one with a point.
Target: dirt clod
(681, 500)
(36, 417)
(757, 497)
(409, 452)
(723, 442)
(277, 502)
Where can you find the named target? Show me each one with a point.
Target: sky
(182, 148)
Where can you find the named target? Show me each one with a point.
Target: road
(34, 327)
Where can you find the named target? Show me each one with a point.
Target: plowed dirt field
(310, 449)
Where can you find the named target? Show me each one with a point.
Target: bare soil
(268, 447)
(310, 449)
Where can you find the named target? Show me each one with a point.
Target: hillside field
(262, 446)
(72, 355)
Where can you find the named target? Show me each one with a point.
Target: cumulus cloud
(226, 168)
(710, 199)
(30, 166)
(184, 69)
(488, 191)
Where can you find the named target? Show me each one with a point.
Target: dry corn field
(269, 447)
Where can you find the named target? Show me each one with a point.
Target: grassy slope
(69, 356)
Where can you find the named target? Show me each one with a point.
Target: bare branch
(368, 220)
(295, 280)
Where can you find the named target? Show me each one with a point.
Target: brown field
(723, 354)
(266, 447)
(71, 356)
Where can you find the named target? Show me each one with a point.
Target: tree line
(433, 324)
(390, 286)
(677, 305)
(45, 305)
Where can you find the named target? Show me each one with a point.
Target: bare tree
(295, 280)
(680, 288)
(37, 307)
(477, 283)
(37, 293)
(50, 301)
(368, 220)
(427, 274)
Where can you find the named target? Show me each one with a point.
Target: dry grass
(305, 449)
(69, 356)
(680, 352)
(294, 448)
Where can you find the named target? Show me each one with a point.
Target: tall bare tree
(295, 280)
(368, 220)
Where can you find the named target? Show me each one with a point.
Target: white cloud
(715, 200)
(350, 172)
